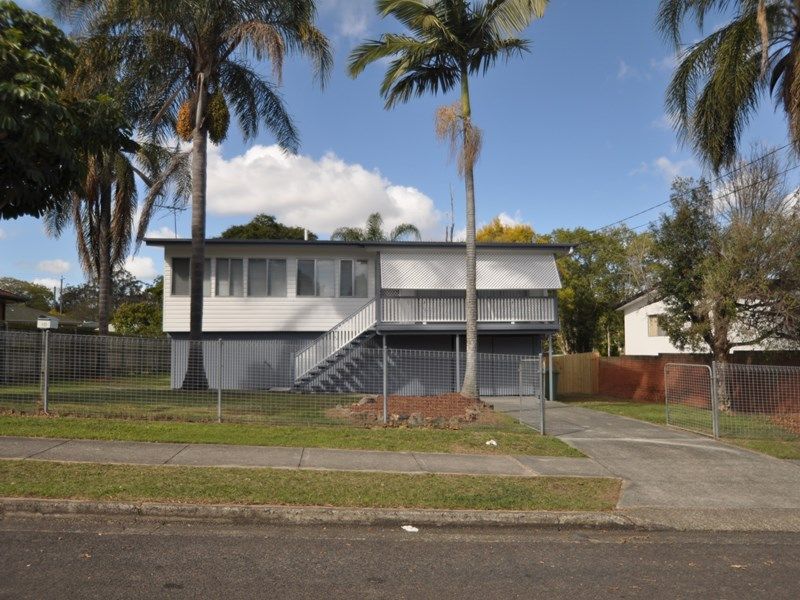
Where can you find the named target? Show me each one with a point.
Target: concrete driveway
(668, 468)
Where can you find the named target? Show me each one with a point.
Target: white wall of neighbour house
(639, 342)
(291, 313)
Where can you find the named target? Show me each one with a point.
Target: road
(79, 557)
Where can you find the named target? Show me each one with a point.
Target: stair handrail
(333, 340)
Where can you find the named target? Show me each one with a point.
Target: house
(20, 316)
(645, 337)
(296, 304)
(6, 298)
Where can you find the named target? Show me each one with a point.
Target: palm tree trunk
(104, 260)
(469, 388)
(195, 378)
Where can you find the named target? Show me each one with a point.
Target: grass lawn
(511, 437)
(769, 438)
(303, 488)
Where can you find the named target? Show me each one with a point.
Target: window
(180, 277)
(266, 277)
(353, 278)
(653, 327)
(230, 277)
(316, 278)
(207, 277)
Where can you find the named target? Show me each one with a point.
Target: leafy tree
(604, 269)
(44, 132)
(265, 227)
(448, 41)
(81, 301)
(373, 232)
(190, 60)
(36, 296)
(721, 79)
(496, 231)
(728, 268)
(143, 318)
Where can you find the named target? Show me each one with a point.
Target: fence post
(385, 382)
(519, 387)
(45, 368)
(219, 380)
(458, 363)
(714, 400)
(541, 395)
(550, 367)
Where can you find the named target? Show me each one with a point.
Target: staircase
(333, 345)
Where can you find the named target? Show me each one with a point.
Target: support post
(45, 369)
(541, 397)
(714, 400)
(458, 363)
(385, 382)
(550, 367)
(219, 380)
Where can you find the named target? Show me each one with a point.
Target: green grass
(752, 432)
(151, 397)
(305, 488)
(512, 438)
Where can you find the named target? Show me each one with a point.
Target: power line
(717, 180)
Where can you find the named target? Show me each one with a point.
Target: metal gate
(531, 393)
(690, 398)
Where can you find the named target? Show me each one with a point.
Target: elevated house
(300, 311)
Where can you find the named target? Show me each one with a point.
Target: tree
(190, 60)
(728, 267)
(265, 227)
(36, 296)
(605, 268)
(721, 79)
(373, 232)
(144, 317)
(43, 131)
(82, 300)
(449, 40)
(497, 231)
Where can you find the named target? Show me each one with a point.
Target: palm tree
(191, 61)
(450, 40)
(373, 232)
(720, 80)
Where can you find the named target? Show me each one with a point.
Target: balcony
(411, 310)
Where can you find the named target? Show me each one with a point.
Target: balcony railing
(452, 310)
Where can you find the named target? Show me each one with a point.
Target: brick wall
(641, 378)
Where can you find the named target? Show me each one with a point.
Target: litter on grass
(409, 528)
(491, 443)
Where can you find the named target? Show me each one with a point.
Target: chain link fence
(734, 400)
(246, 381)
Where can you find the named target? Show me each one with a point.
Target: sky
(574, 134)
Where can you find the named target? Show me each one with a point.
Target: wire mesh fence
(734, 400)
(244, 381)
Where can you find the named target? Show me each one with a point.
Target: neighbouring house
(288, 312)
(20, 316)
(644, 336)
(7, 298)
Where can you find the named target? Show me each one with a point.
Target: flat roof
(557, 248)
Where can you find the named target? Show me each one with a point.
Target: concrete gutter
(652, 519)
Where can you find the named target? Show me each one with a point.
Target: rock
(439, 422)
(416, 420)
(454, 423)
(367, 400)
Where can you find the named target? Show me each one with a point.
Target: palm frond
(405, 230)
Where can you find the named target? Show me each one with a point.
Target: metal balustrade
(452, 310)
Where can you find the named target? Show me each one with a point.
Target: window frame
(173, 279)
(659, 331)
(354, 262)
(269, 293)
(216, 285)
(316, 262)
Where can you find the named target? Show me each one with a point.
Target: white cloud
(48, 282)
(666, 64)
(161, 232)
(352, 16)
(318, 194)
(141, 267)
(56, 266)
(665, 121)
(509, 221)
(3, 234)
(667, 168)
(624, 70)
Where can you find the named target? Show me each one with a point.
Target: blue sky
(574, 135)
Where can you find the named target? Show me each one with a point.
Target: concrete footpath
(219, 455)
(670, 469)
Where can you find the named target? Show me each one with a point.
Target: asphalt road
(100, 558)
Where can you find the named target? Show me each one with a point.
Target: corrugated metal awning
(447, 271)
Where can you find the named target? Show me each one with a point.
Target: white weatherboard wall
(639, 343)
(265, 314)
